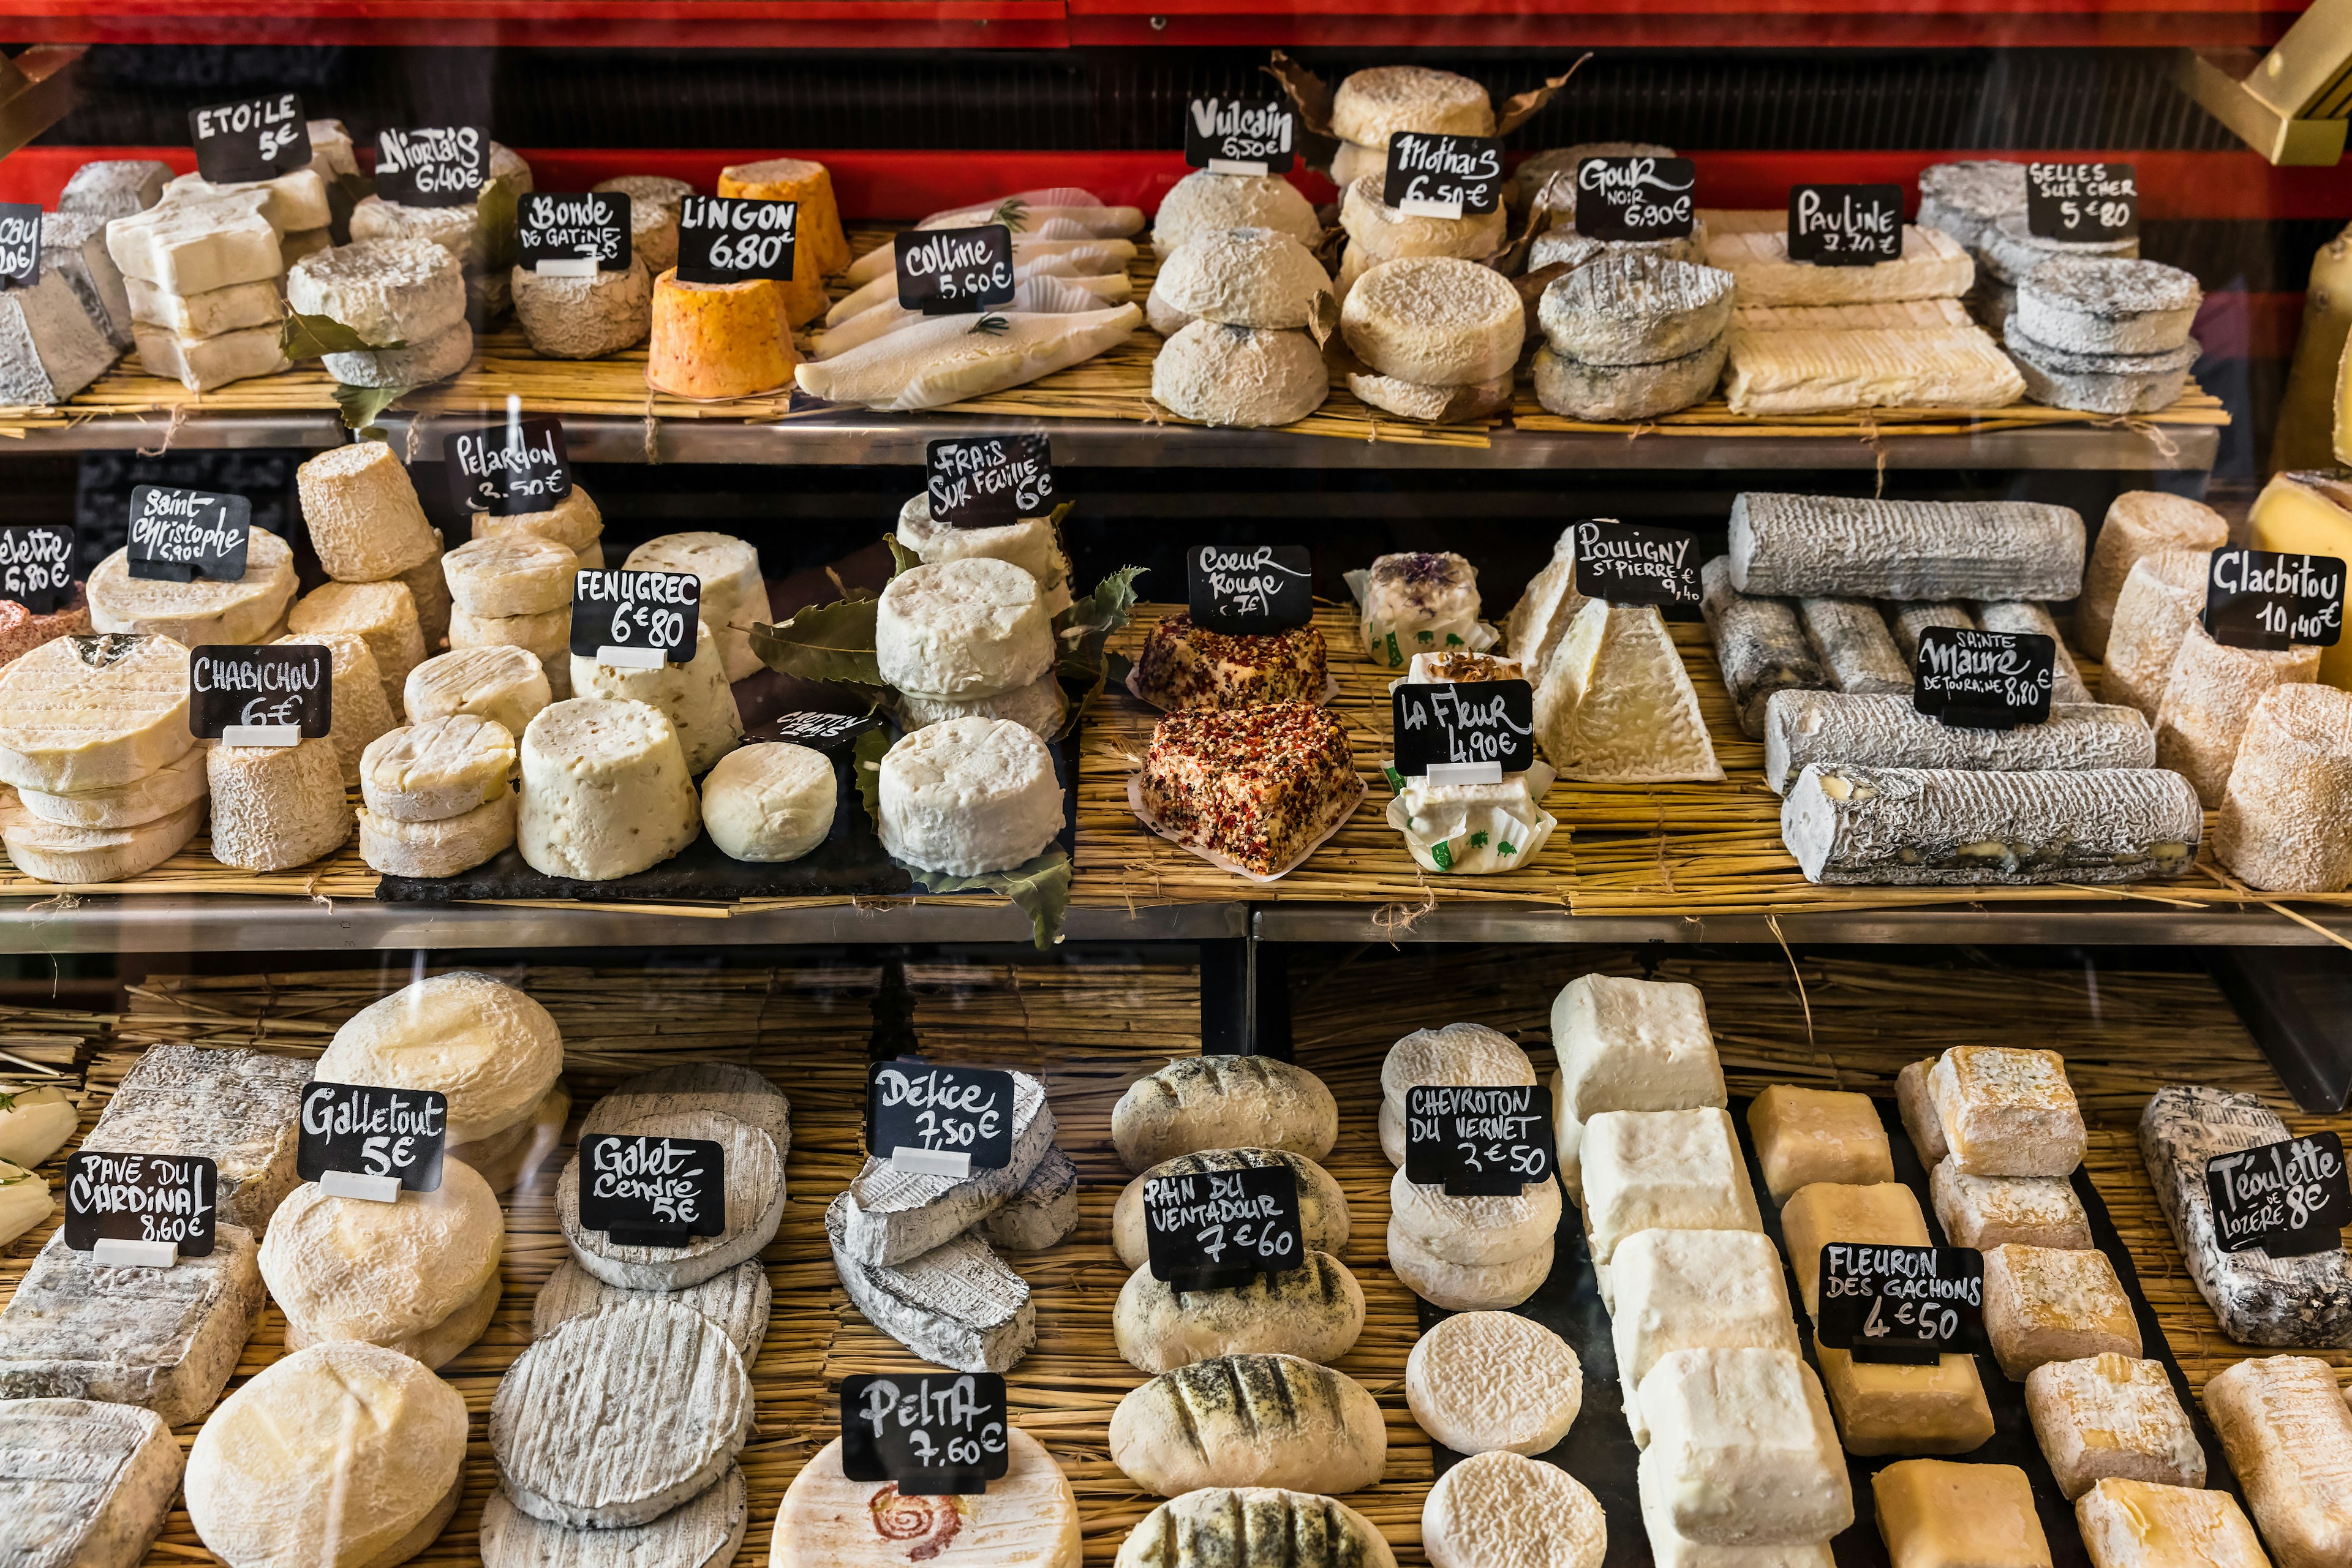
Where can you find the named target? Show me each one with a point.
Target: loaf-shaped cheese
(1250, 1421)
(1314, 1311)
(1215, 1101)
(1221, 1527)
(1759, 643)
(1802, 727)
(2286, 811)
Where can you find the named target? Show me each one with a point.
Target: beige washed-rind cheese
(604, 790)
(694, 696)
(2161, 598)
(508, 574)
(1438, 321)
(441, 768)
(489, 1047)
(381, 614)
(2143, 1524)
(2286, 811)
(1500, 1508)
(504, 684)
(1483, 1381)
(1250, 1421)
(72, 856)
(2112, 1415)
(235, 1108)
(573, 522)
(1314, 1311)
(1028, 1517)
(1616, 705)
(276, 806)
(361, 510)
(2138, 523)
(391, 1274)
(1242, 1526)
(738, 1301)
(87, 1483)
(753, 1171)
(2209, 696)
(1220, 1101)
(2283, 1421)
(201, 610)
(734, 593)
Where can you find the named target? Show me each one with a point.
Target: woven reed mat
(1620, 849)
(2196, 406)
(340, 875)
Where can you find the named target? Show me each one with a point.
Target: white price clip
(359, 1184)
(931, 1162)
(261, 734)
(1465, 773)
(566, 266)
(1414, 206)
(114, 1252)
(632, 657)
(1235, 167)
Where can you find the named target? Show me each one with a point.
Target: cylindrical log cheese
(2210, 695)
(717, 341)
(1758, 644)
(2025, 615)
(694, 695)
(584, 318)
(1806, 545)
(1856, 651)
(364, 519)
(2286, 813)
(384, 615)
(1885, 731)
(734, 593)
(1933, 827)
(2138, 523)
(817, 229)
(276, 806)
(361, 710)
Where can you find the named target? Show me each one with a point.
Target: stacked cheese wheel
(1235, 305)
(1031, 543)
(483, 251)
(1632, 336)
(514, 590)
(404, 297)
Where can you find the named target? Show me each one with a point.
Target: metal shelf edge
(2092, 925)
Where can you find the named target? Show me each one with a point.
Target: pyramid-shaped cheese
(1616, 705)
(1541, 618)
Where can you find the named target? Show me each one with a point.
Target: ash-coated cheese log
(89, 1483)
(1322, 1205)
(1914, 618)
(1759, 644)
(1856, 651)
(1219, 1103)
(2286, 813)
(1250, 1421)
(1930, 826)
(2025, 615)
(2303, 1302)
(1802, 727)
(958, 1305)
(1806, 545)
(1314, 1311)
(1244, 1527)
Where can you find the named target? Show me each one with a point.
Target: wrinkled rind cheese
(1635, 309)
(1478, 1381)
(1244, 377)
(2286, 811)
(427, 360)
(575, 522)
(893, 1216)
(235, 1108)
(1466, 1287)
(386, 290)
(93, 712)
(1243, 278)
(1439, 321)
(1204, 203)
(1575, 390)
(710, 341)
(606, 791)
(389, 1274)
(1760, 644)
(753, 1205)
(2138, 523)
(275, 807)
(1502, 1506)
(1250, 1421)
(1483, 1230)
(957, 1305)
(2208, 697)
(1042, 1212)
(1942, 827)
(2044, 1303)
(2162, 596)
(702, 1533)
(89, 1483)
(734, 592)
(1314, 1311)
(361, 510)
(201, 610)
(1616, 705)
(738, 1301)
(1802, 727)
(584, 318)
(503, 684)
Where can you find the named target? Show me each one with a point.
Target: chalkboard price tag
(835, 734)
(2263, 599)
(574, 235)
(1432, 175)
(1240, 135)
(140, 1209)
(734, 239)
(251, 139)
(260, 695)
(1246, 590)
(1470, 731)
(939, 1120)
(635, 620)
(644, 1189)
(509, 469)
(955, 271)
(1906, 1305)
(989, 482)
(433, 165)
(1213, 1231)
(1845, 225)
(1983, 680)
(37, 563)
(20, 244)
(364, 1141)
(936, 1433)
(2289, 1199)
(1636, 562)
(2081, 201)
(1478, 1141)
(1636, 198)
(178, 535)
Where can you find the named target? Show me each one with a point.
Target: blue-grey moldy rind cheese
(958, 1305)
(1941, 826)
(1759, 644)
(1856, 651)
(2289, 1302)
(87, 1483)
(1887, 731)
(1041, 1211)
(1803, 546)
(893, 1216)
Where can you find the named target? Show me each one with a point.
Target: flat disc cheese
(1466, 1287)
(670, 1408)
(88, 1484)
(503, 683)
(201, 610)
(1482, 1381)
(441, 848)
(491, 1048)
(737, 1301)
(73, 857)
(704, 1533)
(1454, 1054)
(573, 522)
(1028, 1517)
(93, 712)
(385, 1273)
(443, 767)
(1483, 1230)
(723, 1087)
(753, 1204)
(1504, 1511)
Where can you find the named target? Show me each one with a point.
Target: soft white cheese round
(604, 790)
(502, 683)
(1030, 543)
(385, 1273)
(973, 627)
(509, 574)
(441, 768)
(442, 846)
(1202, 202)
(200, 611)
(1040, 706)
(1482, 1230)
(694, 695)
(1482, 1381)
(492, 1049)
(93, 712)
(968, 796)
(1500, 1510)
(771, 802)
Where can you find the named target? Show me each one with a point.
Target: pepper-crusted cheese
(1256, 785)
(719, 340)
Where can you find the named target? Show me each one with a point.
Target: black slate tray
(1599, 1451)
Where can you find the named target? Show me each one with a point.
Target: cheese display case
(1006, 783)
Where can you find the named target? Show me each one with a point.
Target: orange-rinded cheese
(796, 180)
(1029, 1519)
(719, 339)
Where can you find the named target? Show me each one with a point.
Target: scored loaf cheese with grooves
(2162, 597)
(604, 790)
(1239, 376)
(1241, 278)
(1392, 234)
(694, 696)
(1322, 1205)
(705, 1532)
(1921, 827)
(726, 1087)
(1213, 1101)
(385, 291)
(503, 684)
(586, 317)
(1803, 545)
(165, 1339)
(1480, 1231)
(1041, 1212)
(352, 1450)
(382, 614)
(734, 593)
(441, 768)
(276, 806)
(1635, 309)
(440, 848)
(88, 1483)
(76, 857)
(2024, 616)
(1505, 1510)
(1250, 1421)
(201, 610)
(1466, 1287)
(957, 1305)
(774, 802)
(1856, 652)
(1758, 644)
(2138, 523)
(894, 1214)
(709, 341)
(2209, 694)
(1436, 320)
(2286, 811)
(235, 1108)
(1314, 1311)
(738, 1301)
(1028, 1517)
(671, 1408)
(751, 1205)
(1616, 706)
(1205, 202)
(491, 1049)
(360, 708)
(1243, 1527)
(1933, 265)
(509, 574)
(1482, 1381)
(1834, 729)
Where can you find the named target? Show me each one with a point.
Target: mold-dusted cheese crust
(2283, 1422)
(1857, 652)
(737, 1301)
(2045, 1303)
(1323, 1221)
(2007, 1112)
(1835, 729)
(2114, 1415)
(2107, 305)
(1759, 646)
(1628, 308)
(1256, 785)
(1924, 825)
(237, 1108)
(1439, 321)
(1184, 665)
(2286, 811)
(1371, 106)
(1504, 1508)
(958, 1305)
(752, 1168)
(2141, 1524)
(970, 627)
(1805, 545)
(385, 1273)
(1986, 1211)
(2138, 523)
(386, 290)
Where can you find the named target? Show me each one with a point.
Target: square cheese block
(1669, 1548)
(1933, 1513)
(1918, 1108)
(86, 1484)
(1694, 1290)
(1807, 1135)
(1741, 1450)
(198, 244)
(2140, 1524)
(2046, 1304)
(1987, 1211)
(201, 363)
(2112, 1415)
(1663, 1170)
(1632, 1045)
(1882, 1212)
(2007, 1112)
(238, 1109)
(1885, 1408)
(2283, 1422)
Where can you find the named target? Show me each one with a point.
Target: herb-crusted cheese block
(166, 1339)
(1250, 1421)
(753, 1205)
(1939, 825)
(1759, 643)
(238, 1109)
(695, 696)
(1315, 1311)
(1802, 727)
(606, 791)
(88, 1484)
(1635, 309)
(2304, 1303)
(1028, 1517)
(1322, 1205)
(2286, 811)
(893, 1214)
(1248, 1527)
(1807, 545)
(738, 1301)
(958, 1305)
(1215, 1101)
(703, 1532)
